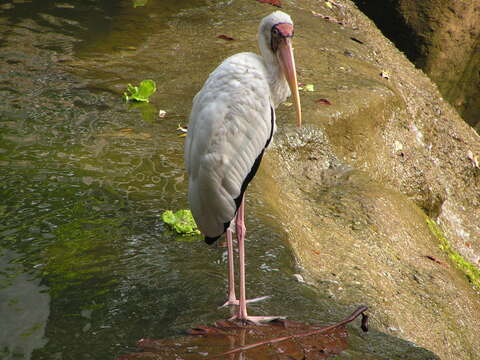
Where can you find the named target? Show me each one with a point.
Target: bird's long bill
(287, 62)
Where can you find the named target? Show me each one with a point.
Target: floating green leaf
(306, 87)
(181, 221)
(141, 92)
(137, 3)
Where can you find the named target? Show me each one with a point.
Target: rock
(442, 38)
(351, 194)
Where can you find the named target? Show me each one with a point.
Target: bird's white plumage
(230, 124)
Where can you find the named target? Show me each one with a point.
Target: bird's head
(275, 38)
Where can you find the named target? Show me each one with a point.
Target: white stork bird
(231, 124)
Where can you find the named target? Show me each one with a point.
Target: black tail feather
(211, 240)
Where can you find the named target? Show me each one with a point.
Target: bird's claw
(257, 320)
(236, 302)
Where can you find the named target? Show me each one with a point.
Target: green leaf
(181, 221)
(309, 87)
(137, 3)
(168, 217)
(141, 92)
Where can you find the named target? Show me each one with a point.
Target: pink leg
(240, 228)
(242, 311)
(232, 299)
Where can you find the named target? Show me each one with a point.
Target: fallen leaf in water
(125, 48)
(276, 3)
(309, 87)
(137, 3)
(280, 339)
(287, 104)
(140, 93)
(306, 87)
(225, 37)
(323, 102)
(183, 130)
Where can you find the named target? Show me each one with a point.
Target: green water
(87, 267)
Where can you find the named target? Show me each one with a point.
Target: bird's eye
(275, 31)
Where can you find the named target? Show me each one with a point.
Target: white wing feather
(229, 126)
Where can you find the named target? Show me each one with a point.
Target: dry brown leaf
(276, 3)
(323, 102)
(225, 37)
(274, 340)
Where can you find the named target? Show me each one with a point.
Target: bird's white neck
(279, 89)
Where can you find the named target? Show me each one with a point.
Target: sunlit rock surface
(357, 186)
(442, 38)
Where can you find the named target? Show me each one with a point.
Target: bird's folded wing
(230, 125)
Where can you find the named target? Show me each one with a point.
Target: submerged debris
(284, 339)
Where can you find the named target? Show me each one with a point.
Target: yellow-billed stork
(231, 124)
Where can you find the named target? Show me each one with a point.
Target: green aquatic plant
(141, 92)
(137, 3)
(470, 270)
(181, 221)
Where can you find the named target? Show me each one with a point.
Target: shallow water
(86, 265)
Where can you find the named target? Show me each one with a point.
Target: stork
(231, 124)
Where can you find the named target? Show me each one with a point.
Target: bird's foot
(236, 302)
(257, 320)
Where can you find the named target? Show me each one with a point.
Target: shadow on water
(86, 263)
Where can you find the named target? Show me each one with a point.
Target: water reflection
(24, 309)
